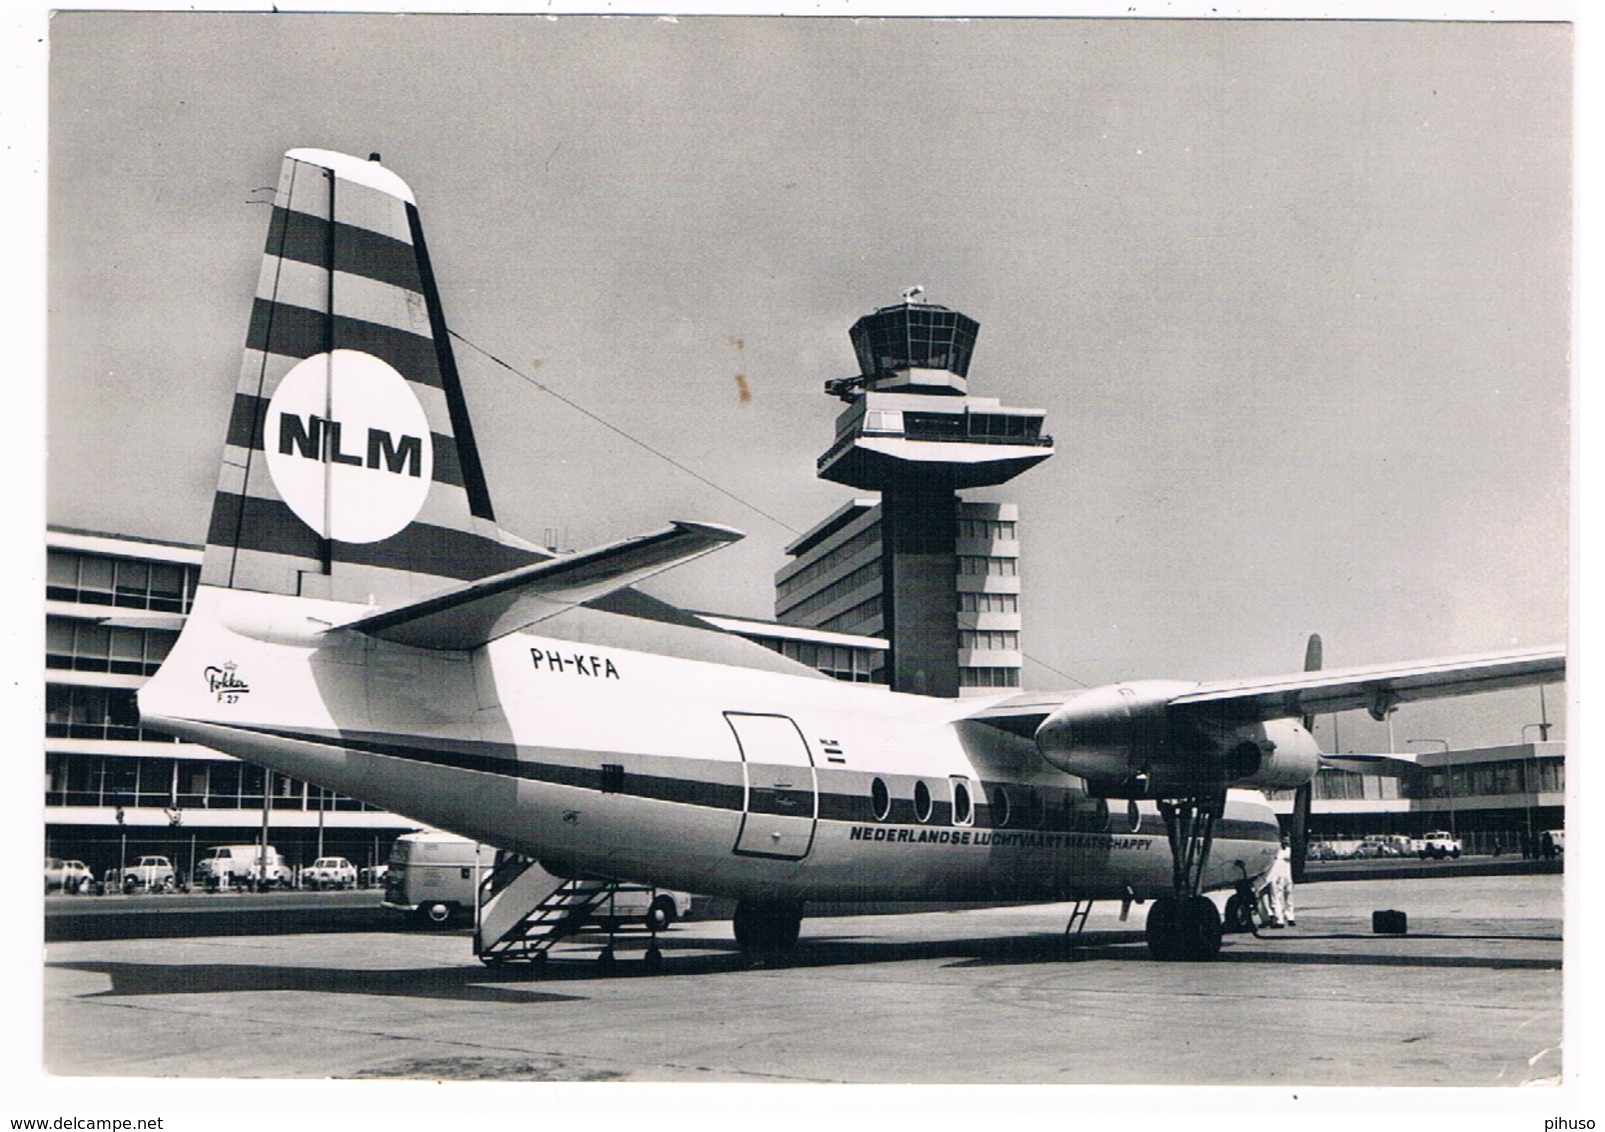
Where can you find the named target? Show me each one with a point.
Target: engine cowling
(1116, 734)
(1126, 741)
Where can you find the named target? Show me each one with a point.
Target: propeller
(1303, 795)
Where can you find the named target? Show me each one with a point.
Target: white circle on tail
(348, 446)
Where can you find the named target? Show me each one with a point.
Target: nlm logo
(318, 438)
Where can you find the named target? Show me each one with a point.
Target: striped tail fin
(350, 470)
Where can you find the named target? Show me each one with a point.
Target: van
(434, 875)
(224, 866)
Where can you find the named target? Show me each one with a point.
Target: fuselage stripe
(501, 759)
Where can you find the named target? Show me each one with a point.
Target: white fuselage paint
(497, 745)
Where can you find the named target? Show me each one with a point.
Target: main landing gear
(1186, 925)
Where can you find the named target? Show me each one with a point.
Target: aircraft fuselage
(618, 762)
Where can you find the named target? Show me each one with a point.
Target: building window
(84, 646)
(989, 603)
(972, 565)
(997, 639)
(93, 579)
(993, 677)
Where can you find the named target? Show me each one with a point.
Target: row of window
(971, 565)
(825, 563)
(859, 619)
(989, 639)
(1029, 809)
(994, 529)
(74, 712)
(83, 646)
(977, 676)
(1492, 779)
(184, 784)
(988, 603)
(129, 583)
(868, 574)
(857, 665)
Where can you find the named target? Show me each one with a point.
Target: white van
(239, 865)
(433, 875)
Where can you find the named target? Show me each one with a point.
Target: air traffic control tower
(912, 432)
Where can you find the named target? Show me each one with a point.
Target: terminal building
(113, 790)
(1493, 798)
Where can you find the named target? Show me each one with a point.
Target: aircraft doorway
(782, 798)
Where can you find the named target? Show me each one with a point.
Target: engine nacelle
(1126, 742)
(1113, 734)
(1278, 754)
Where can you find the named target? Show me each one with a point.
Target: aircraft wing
(1376, 688)
(469, 615)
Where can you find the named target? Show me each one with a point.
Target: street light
(1449, 777)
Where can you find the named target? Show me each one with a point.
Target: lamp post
(1529, 770)
(1449, 777)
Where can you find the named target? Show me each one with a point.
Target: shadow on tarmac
(688, 955)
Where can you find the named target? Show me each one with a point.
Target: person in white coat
(1276, 897)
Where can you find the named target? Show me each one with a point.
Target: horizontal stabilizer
(469, 615)
(1389, 765)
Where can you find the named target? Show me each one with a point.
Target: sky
(1294, 295)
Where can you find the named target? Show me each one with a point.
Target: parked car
(148, 874)
(1552, 843)
(329, 872)
(372, 876)
(1438, 844)
(71, 877)
(240, 866)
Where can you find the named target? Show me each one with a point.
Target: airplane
(362, 623)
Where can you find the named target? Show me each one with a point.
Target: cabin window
(881, 799)
(1000, 807)
(922, 801)
(963, 810)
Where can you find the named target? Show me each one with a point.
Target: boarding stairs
(524, 911)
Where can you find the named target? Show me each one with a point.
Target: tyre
(438, 913)
(1239, 913)
(1160, 929)
(661, 914)
(653, 961)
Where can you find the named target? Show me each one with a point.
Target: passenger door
(782, 794)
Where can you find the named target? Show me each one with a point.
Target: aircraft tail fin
(350, 470)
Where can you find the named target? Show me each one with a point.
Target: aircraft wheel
(661, 914)
(1161, 929)
(1239, 914)
(653, 960)
(605, 960)
(1202, 929)
(767, 925)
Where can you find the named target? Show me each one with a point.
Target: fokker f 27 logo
(348, 446)
(225, 683)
